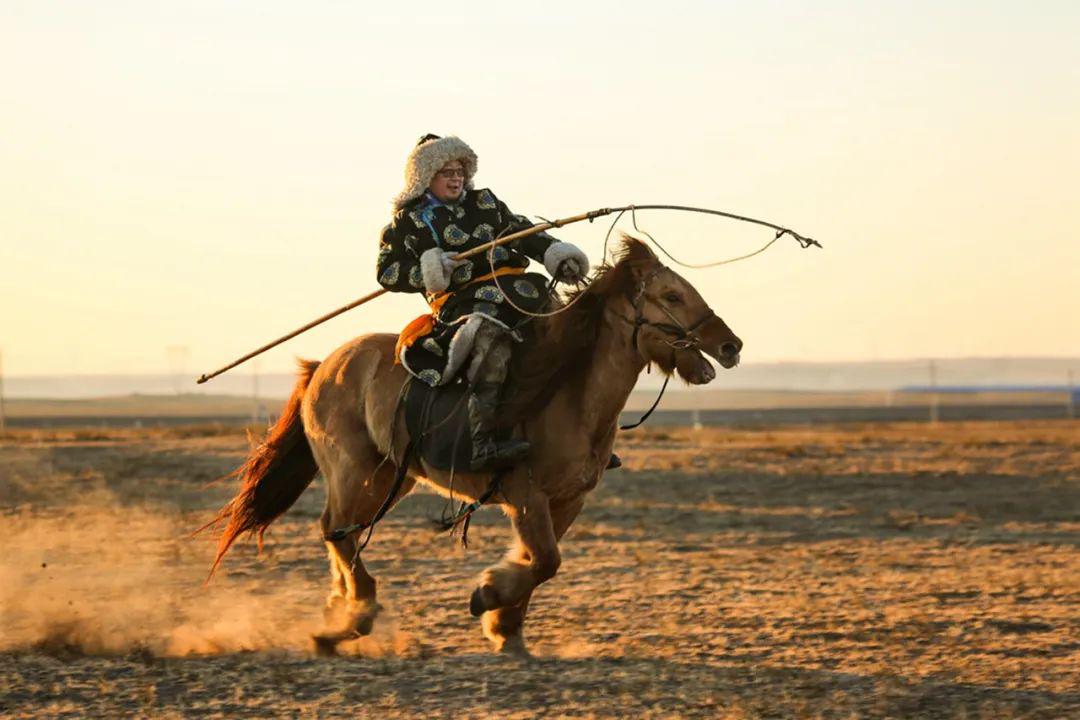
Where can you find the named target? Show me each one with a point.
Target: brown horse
(571, 386)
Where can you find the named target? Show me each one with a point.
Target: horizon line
(879, 361)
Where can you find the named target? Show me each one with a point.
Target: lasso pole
(547, 225)
(381, 291)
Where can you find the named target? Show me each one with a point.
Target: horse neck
(613, 369)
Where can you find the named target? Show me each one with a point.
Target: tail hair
(272, 478)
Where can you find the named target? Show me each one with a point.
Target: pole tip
(201, 380)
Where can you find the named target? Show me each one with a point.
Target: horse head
(660, 315)
(673, 326)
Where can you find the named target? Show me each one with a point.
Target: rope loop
(804, 242)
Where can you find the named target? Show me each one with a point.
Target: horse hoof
(482, 600)
(514, 646)
(325, 646)
(476, 603)
(335, 611)
(365, 625)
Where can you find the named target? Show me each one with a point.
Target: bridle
(684, 337)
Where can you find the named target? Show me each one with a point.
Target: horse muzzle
(728, 355)
(714, 339)
(727, 352)
(720, 343)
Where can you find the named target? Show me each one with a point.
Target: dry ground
(856, 571)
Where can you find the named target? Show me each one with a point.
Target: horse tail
(272, 478)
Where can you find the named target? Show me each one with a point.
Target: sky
(182, 182)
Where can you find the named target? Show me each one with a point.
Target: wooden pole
(381, 291)
(254, 393)
(591, 215)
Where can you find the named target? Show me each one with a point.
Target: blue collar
(432, 201)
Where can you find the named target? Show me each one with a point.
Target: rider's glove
(436, 265)
(566, 263)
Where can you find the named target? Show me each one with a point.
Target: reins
(648, 412)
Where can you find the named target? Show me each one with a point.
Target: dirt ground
(851, 571)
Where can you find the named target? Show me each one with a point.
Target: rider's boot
(487, 452)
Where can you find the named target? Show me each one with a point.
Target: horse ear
(637, 255)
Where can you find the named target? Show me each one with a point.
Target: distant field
(855, 571)
(713, 407)
(140, 406)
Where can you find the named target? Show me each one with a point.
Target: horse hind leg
(355, 492)
(351, 607)
(338, 587)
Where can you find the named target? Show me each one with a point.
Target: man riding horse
(476, 303)
(342, 417)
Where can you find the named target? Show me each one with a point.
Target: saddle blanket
(437, 419)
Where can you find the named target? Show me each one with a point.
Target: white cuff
(436, 278)
(560, 252)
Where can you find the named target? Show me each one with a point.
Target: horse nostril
(729, 349)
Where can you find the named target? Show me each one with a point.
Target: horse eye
(672, 298)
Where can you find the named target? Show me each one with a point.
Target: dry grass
(91, 434)
(857, 571)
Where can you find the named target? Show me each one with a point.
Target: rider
(474, 321)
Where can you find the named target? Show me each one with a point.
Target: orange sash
(423, 325)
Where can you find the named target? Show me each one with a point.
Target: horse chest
(589, 476)
(590, 480)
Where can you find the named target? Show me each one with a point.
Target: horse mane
(559, 346)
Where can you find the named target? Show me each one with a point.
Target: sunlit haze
(182, 182)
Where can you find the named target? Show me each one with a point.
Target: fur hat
(427, 158)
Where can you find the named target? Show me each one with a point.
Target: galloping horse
(571, 385)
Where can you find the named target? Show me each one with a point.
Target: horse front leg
(534, 558)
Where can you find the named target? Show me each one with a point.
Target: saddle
(437, 419)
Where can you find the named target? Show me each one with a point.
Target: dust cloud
(112, 581)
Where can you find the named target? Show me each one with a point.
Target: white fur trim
(461, 345)
(433, 269)
(404, 364)
(427, 159)
(559, 252)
